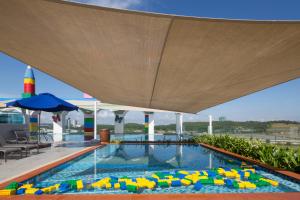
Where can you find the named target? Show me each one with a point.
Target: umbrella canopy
(43, 102)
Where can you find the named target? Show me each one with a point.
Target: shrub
(279, 157)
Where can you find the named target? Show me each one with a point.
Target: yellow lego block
(155, 176)
(46, 190)
(249, 185)
(108, 185)
(219, 182)
(169, 177)
(117, 186)
(26, 186)
(79, 184)
(7, 192)
(31, 190)
(185, 182)
(221, 171)
(247, 174)
(205, 173)
(183, 172)
(273, 183)
(229, 174)
(241, 185)
(57, 186)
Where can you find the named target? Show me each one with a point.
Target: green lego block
(163, 184)
(131, 188)
(13, 185)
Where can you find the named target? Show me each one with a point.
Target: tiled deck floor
(15, 167)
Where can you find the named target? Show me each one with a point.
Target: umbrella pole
(39, 127)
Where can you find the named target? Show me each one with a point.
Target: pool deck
(54, 163)
(22, 168)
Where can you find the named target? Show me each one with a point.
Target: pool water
(134, 160)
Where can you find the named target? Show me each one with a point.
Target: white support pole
(210, 161)
(26, 115)
(210, 127)
(179, 122)
(149, 125)
(119, 121)
(95, 120)
(179, 154)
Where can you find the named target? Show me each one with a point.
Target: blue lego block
(123, 186)
(39, 192)
(20, 191)
(181, 176)
(64, 187)
(175, 183)
(198, 186)
(228, 182)
(211, 173)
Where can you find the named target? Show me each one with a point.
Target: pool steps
(233, 178)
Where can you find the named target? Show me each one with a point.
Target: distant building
(11, 117)
(222, 119)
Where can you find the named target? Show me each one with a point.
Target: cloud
(123, 4)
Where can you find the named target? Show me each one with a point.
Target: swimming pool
(137, 161)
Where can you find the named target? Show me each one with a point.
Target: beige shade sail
(149, 60)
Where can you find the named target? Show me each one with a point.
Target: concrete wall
(6, 130)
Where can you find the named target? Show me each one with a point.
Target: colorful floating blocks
(186, 182)
(176, 183)
(163, 183)
(26, 186)
(198, 186)
(79, 185)
(219, 182)
(208, 181)
(31, 190)
(12, 186)
(7, 192)
(236, 178)
(273, 183)
(117, 186)
(132, 188)
(20, 191)
(249, 185)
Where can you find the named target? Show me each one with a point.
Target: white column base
(119, 121)
(150, 126)
(59, 127)
(179, 123)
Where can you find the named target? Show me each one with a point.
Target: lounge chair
(26, 147)
(21, 137)
(6, 151)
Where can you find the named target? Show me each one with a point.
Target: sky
(277, 103)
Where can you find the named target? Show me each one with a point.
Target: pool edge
(48, 166)
(223, 196)
(287, 173)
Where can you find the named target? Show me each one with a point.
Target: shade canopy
(150, 60)
(43, 102)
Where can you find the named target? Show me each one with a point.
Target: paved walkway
(13, 167)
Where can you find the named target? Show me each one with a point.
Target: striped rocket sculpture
(88, 126)
(29, 83)
(146, 125)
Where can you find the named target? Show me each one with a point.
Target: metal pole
(39, 131)
(95, 120)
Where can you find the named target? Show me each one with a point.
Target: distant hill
(219, 127)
